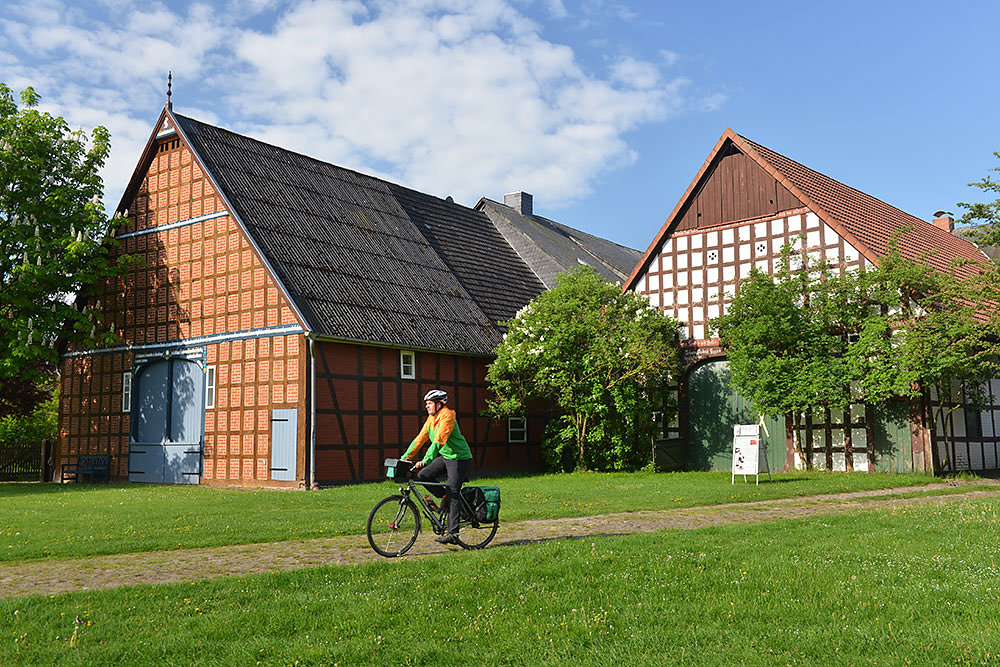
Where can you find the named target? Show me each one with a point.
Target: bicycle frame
(438, 519)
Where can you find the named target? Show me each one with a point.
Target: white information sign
(746, 451)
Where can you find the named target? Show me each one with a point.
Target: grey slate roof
(364, 259)
(551, 248)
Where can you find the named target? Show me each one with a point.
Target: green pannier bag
(484, 501)
(492, 496)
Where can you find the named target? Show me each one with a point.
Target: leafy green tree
(52, 231)
(603, 358)
(985, 214)
(785, 341)
(818, 337)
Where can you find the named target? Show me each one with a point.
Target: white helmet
(436, 395)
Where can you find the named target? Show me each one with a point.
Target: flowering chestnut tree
(52, 249)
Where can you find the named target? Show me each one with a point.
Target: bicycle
(394, 522)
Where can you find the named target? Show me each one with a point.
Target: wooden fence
(26, 461)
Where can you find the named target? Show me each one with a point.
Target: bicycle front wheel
(393, 526)
(478, 536)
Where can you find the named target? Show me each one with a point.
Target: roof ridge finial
(169, 104)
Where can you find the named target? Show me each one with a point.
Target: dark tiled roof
(869, 220)
(364, 259)
(551, 248)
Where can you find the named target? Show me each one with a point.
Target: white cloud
(460, 97)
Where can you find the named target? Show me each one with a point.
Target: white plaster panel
(713, 311)
(743, 233)
(830, 237)
(697, 258)
(794, 223)
(697, 295)
(641, 285)
(812, 222)
(851, 254)
(654, 299)
(697, 313)
(697, 240)
(712, 240)
(728, 254)
(682, 261)
(682, 297)
(727, 236)
(744, 271)
(989, 456)
(762, 266)
(712, 275)
(667, 262)
(728, 274)
(699, 331)
(812, 239)
(778, 227)
(838, 462)
(668, 280)
(860, 461)
(776, 245)
(760, 229)
(668, 245)
(682, 243)
(697, 277)
(976, 455)
(668, 298)
(654, 282)
(682, 278)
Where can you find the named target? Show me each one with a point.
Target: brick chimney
(943, 220)
(519, 201)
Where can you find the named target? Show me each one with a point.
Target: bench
(98, 467)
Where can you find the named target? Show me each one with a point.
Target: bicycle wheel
(393, 526)
(476, 537)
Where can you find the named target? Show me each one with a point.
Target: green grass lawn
(64, 521)
(917, 586)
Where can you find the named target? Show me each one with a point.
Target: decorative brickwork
(197, 277)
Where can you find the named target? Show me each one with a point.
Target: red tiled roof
(870, 221)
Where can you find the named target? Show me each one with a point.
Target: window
(517, 429)
(407, 364)
(126, 392)
(210, 387)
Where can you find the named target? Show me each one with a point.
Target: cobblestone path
(50, 577)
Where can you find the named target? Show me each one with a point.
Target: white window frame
(517, 425)
(412, 363)
(210, 389)
(127, 392)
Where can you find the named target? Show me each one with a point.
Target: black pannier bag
(484, 500)
(397, 469)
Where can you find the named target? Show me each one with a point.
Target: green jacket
(441, 430)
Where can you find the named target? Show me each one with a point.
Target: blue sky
(603, 109)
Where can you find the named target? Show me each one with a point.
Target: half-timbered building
(285, 317)
(744, 204)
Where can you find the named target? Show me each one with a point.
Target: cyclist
(448, 457)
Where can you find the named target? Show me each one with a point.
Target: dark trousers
(454, 472)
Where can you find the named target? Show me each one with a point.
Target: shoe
(446, 539)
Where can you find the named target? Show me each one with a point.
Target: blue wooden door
(168, 426)
(284, 444)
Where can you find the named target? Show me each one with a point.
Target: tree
(602, 357)
(822, 337)
(52, 231)
(785, 341)
(987, 215)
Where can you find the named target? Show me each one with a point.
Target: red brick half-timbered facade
(283, 317)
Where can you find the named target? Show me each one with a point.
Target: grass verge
(66, 521)
(914, 586)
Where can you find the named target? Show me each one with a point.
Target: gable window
(407, 364)
(517, 429)
(210, 387)
(126, 392)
